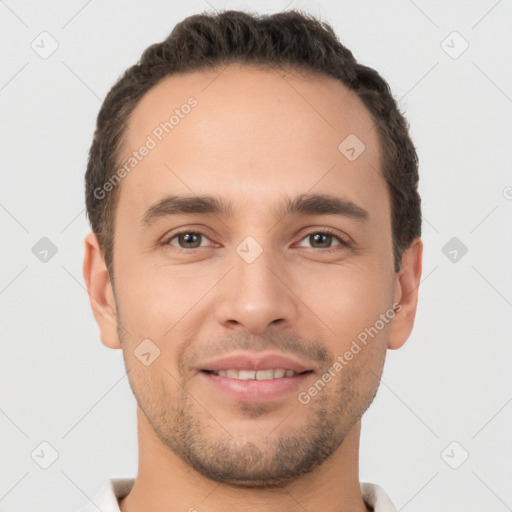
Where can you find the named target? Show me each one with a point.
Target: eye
(188, 240)
(323, 240)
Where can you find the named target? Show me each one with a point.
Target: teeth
(264, 374)
(271, 373)
(246, 374)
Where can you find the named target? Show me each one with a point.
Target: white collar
(116, 488)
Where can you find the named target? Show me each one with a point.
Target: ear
(101, 295)
(406, 295)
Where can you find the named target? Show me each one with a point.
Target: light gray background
(450, 382)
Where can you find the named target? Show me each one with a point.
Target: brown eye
(188, 240)
(323, 240)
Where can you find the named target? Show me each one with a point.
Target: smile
(272, 373)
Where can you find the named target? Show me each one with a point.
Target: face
(250, 255)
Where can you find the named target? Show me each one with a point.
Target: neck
(166, 483)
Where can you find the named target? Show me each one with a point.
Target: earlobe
(406, 295)
(101, 295)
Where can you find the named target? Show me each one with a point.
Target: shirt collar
(116, 488)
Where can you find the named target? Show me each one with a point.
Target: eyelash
(324, 231)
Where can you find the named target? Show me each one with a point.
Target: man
(256, 250)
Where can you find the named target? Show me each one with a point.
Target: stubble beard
(292, 450)
(295, 446)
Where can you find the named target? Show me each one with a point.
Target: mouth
(255, 378)
(271, 373)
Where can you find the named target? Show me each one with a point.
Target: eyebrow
(304, 204)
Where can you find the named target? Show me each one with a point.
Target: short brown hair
(292, 40)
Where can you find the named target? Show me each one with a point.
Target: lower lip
(255, 390)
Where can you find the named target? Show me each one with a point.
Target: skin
(255, 137)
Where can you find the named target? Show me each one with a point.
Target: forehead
(250, 133)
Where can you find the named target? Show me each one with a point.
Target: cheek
(157, 303)
(348, 299)
(146, 302)
(155, 386)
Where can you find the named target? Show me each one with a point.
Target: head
(252, 191)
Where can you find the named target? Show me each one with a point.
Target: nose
(256, 296)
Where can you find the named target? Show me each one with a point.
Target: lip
(264, 361)
(254, 390)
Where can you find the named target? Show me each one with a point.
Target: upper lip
(245, 361)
